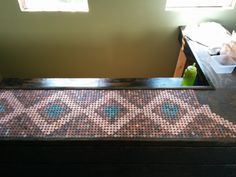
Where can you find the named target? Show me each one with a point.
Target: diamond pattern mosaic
(109, 114)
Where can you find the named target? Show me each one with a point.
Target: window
(54, 5)
(175, 4)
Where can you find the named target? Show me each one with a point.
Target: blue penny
(170, 110)
(2, 108)
(112, 111)
(54, 111)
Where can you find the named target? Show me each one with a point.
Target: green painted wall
(118, 38)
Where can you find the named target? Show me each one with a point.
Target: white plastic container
(222, 64)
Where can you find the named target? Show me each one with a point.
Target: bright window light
(54, 5)
(181, 4)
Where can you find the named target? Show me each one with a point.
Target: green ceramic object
(189, 75)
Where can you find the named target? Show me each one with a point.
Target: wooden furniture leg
(181, 62)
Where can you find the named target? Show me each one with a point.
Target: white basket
(222, 64)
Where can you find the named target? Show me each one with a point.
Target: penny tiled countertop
(102, 114)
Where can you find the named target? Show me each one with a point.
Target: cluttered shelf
(197, 47)
(222, 99)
